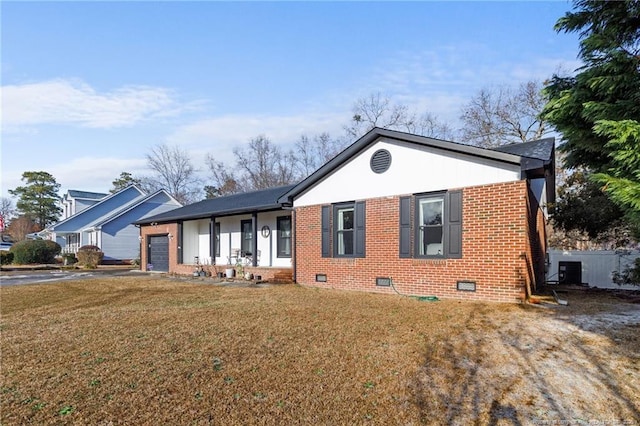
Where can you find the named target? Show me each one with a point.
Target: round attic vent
(380, 161)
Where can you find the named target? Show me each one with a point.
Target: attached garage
(158, 253)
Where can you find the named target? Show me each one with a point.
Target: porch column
(254, 238)
(179, 237)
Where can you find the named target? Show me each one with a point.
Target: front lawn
(145, 350)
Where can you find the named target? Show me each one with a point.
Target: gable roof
(246, 202)
(541, 155)
(128, 207)
(95, 207)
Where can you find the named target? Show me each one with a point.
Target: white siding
(597, 266)
(195, 237)
(268, 245)
(195, 241)
(413, 169)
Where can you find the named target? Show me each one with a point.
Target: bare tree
(224, 180)
(503, 115)
(263, 165)
(174, 172)
(377, 110)
(427, 125)
(312, 153)
(7, 209)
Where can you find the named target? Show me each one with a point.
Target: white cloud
(219, 135)
(95, 173)
(85, 173)
(75, 102)
(442, 79)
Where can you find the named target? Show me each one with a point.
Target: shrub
(631, 275)
(69, 259)
(90, 256)
(6, 257)
(35, 251)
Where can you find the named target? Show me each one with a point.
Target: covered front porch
(72, 241)
(249, 233)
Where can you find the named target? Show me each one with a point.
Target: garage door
(159, 252)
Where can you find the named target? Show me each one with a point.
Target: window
(217, 239)
(214, 238)
(343, 230)
(431, 225)
(284, 236)
(246, 237)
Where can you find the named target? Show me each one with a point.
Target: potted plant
(229, 271)
(239, 268)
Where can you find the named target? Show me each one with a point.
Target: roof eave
(205, 215)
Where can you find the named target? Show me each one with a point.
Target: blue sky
(88, 88)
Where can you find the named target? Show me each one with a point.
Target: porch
(261, 273)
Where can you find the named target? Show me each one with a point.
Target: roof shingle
(262, 200)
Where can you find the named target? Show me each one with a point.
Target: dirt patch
(144, 350)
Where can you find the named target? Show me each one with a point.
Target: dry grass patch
(156, 351)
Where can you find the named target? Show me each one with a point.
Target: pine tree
(38, 198)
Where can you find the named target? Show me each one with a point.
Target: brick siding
(161, 229)
(496, 249)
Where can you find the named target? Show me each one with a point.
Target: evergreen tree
(38, 198)
(125, 179)
(598, 109)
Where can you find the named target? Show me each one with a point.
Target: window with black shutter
(435, 223)
(343, 230)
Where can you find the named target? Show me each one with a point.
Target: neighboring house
(75, 201)
(108, 222)
(392, 212)
(251, 229)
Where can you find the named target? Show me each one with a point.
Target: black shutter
(212, 240)
(360, 230)
(453, 207)
(326, 231)
(179, 237)
(405, 227)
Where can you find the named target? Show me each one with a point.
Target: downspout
(293, 245)
(140, 243)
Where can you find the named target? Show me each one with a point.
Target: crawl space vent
(380, 161)
(466, 286)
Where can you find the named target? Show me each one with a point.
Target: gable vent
(380, 161)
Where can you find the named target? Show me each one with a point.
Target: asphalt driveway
(44, 276)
